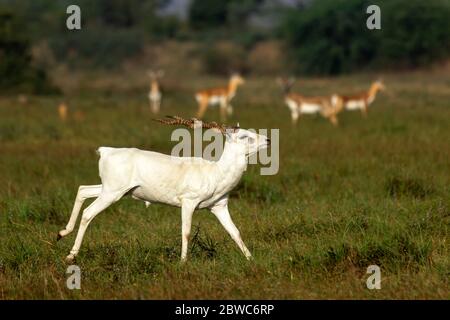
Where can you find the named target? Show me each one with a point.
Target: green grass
(372, 191)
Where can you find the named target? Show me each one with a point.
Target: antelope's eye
(243, 137)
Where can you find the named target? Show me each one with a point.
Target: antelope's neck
(232, 87)
(154, 87)
(231, 165)
(372, 92)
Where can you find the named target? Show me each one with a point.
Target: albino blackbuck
(187, 182)
(219, 96)
(361, 101)
(298, 104)
(155, 95)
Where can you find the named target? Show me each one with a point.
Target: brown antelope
(63, 111)
(328, 107)
(362, 100)
(154, 94)
(221, 96)
(22, 98)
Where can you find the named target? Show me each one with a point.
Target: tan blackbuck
(155, 95)
(327, 106)
(219, 96)
(362, 100)
(63, 111)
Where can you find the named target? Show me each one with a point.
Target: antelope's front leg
(187, 210)
(294, 116)
(203, 105)
(229, 109)
(364, 110)
(223, 109)
(220, 210)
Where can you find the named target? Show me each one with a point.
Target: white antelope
(187, 182)
(361, 101)
(328, 107)
(155, 94)
(219, 96)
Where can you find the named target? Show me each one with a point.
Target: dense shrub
(16, 69)
(223, 58)
(162, 28)
(331, 37)
(97, 47)
(207, 13)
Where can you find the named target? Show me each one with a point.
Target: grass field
(372, 191)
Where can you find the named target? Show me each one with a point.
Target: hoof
(58, 236)
(70, 258)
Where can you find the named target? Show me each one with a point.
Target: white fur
(155, 101)
(155, 94)
(216, 100)
(309, 108)
(354, 105)
(190, 183)
(301, 108)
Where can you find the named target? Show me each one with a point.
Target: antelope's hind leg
(101, 203)
(334, 120)
(84, 192)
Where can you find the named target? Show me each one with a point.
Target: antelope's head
(155, 75)
(237, 79)
(286, 83)
(248, 141)
(379, 85)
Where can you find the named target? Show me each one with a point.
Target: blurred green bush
(331, 37)
(223, 58)
(98, 47)
(17, 73)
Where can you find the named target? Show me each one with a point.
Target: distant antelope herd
(328, 106)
